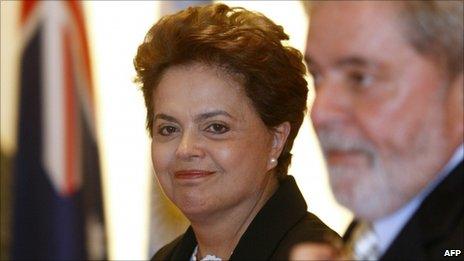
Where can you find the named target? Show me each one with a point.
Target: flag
(5, 205)
(58, 211)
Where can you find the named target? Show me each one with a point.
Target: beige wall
(115, 30)
(9, 74)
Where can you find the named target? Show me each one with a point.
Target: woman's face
(211, 151)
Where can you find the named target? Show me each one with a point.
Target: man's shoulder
(445, 246)
(420, 242)
(165, 253)
(437, 225)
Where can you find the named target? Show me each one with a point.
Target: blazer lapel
(279, 214)
(184, 249)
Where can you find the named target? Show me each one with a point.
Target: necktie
(363, 244)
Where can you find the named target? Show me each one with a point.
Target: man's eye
(358, 79)
(217, 128)
(167, 130)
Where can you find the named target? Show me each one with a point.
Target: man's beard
(409, 159)
(369, 190)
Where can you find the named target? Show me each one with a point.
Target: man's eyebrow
(345, 61)
(165, 117)
(210, 114)
(355, 61)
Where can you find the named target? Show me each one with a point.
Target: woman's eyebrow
(210, 114)
(165, 117)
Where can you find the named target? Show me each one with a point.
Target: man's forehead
(355, 34)
(353, 6)
(353, 15)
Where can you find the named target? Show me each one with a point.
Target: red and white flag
(58, 207)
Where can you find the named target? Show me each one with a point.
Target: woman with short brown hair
(225, 100)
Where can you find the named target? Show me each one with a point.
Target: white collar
(206, 258)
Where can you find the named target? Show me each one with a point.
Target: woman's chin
(193, 208)
(196, 215)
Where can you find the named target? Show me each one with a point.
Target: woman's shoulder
(311, 228)
(308, 229)
(165, 253)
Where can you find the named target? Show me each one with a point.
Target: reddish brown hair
(241, 42)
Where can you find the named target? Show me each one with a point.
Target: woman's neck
(219, 233)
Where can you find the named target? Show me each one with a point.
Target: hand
(315, 251)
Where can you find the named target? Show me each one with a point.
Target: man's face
(381, 107)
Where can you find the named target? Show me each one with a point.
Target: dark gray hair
(434, 28)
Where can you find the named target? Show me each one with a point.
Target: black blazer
(282, 223)
(437, 225)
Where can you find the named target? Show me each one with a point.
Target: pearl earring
(273, 161)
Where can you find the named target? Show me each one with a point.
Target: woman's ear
(279, 139)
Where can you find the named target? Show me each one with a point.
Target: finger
(313, 251)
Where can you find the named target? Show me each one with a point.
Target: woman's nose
(189, 147)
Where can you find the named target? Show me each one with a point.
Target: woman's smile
(192, 174)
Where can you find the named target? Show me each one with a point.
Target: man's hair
(238, 42)
(434, 28)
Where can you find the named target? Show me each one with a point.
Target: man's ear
(455, 108)
(279, 139)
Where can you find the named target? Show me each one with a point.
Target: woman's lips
(192, 174)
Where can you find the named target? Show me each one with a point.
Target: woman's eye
(217, 128)
(166, 130)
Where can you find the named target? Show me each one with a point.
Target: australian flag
(58, 211)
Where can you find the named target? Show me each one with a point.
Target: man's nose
(331, 104)
(190, 147)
